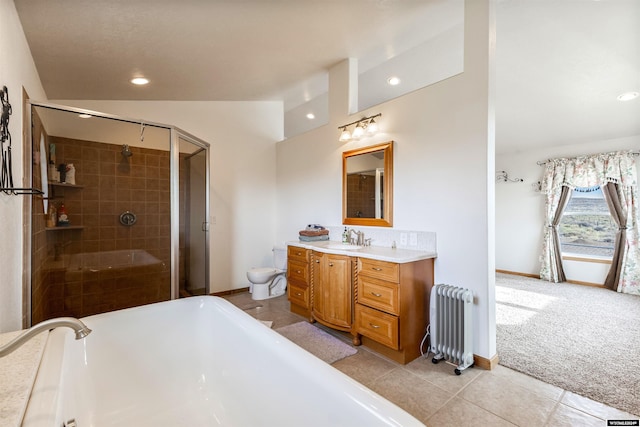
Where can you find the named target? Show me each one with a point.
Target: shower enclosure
(123, 218)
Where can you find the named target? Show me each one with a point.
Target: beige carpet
(317, 342)
(580, 338)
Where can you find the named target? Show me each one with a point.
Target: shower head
(126, 152)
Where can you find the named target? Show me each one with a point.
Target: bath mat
(317, 342)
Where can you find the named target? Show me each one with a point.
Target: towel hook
(503, 176)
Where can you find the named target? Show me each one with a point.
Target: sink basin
(344, 247)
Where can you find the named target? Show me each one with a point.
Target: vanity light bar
(366, 125)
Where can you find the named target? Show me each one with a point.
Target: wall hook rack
(503, 176)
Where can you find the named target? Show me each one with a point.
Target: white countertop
(17, 373)
(373, 252)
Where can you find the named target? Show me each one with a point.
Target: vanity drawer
(378, 326)
(298, 271)
(299, 294)
(298, 254)
(380, 269)
(379, 294)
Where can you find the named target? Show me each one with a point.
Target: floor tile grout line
(477, 406)
(553, 412)
(453, 396)
(569, 405)
(513, 384)
(458, 394)
(560, 399)
(561, 403)
(529, 377)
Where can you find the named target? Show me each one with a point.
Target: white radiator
(450, 326)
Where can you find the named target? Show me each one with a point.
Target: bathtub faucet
(80, 329)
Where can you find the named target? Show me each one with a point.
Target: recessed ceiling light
(311, 116)
(139, 81)
(628, 96)
(393, 81)
(84, 116)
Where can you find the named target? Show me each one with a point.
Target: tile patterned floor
(437, 397)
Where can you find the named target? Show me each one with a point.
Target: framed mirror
(367, 186)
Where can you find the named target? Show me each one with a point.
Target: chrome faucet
(80, 329)
(359, 240)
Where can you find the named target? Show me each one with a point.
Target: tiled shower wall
(108, 184)
(361, 190)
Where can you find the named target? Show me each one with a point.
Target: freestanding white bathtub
(197, 362)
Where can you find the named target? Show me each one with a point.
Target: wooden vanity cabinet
(384, 305)
(332, 290)
(298, 278)
(392, 306)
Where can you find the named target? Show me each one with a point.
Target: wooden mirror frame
(387, 208)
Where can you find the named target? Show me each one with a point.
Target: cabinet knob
(298, 294)
(330, 264)
(298, 271)
(298, 253)
(376, 268)
(374, 326)
(376, 295)
(317, 261)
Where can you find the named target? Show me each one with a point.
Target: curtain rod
(542, 163)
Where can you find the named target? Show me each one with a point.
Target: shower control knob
(128, 218)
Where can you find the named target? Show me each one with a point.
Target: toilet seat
(266, 270)
(260, 275)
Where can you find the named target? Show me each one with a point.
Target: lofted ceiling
(560, 64)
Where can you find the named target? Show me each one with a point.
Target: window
(587, 227)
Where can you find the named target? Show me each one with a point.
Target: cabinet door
(318, 299)
(337, 290)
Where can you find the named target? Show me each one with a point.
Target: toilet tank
(280, 257)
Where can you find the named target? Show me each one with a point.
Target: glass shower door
(135, 225)
(104, 241)
(194, 226)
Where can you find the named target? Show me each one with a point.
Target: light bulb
(393, 81)
(372, 127)
(628, 96)
(140, 81)
(358, 131)
(345, 135)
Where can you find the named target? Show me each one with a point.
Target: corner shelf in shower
(54, 185)
(66, 227)
(63, 184)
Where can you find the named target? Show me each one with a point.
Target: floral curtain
(551, 254)
(589, 171)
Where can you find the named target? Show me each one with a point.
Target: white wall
(520, 209)
(443, 155)
(17, 71)
(243, 139)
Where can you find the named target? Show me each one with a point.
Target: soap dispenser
(345, 236)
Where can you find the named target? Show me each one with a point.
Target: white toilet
(269, 282)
